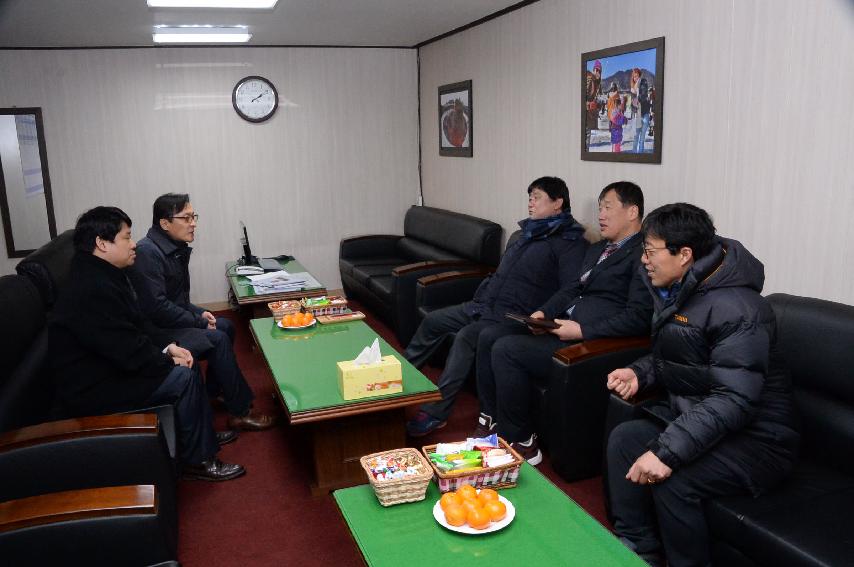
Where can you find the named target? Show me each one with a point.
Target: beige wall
(339, 158)
(758, 128)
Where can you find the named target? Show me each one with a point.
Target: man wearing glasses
(161, 278)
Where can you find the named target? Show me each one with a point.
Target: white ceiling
(104, 23)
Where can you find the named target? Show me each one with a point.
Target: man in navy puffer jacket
(727, 426)
(546, 256)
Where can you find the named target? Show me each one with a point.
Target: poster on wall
(622, 96)
(455, 120)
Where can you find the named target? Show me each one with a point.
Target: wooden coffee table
(303, 367)
(548, 529)
(256, 303)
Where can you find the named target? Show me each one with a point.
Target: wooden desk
(303, 367)
(246, 296)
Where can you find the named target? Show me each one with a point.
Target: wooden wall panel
(758, 121)
(339, 158)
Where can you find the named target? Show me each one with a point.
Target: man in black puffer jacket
(546, 256)
(728, 424)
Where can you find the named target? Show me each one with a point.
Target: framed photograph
(622, 96)
(455, 120)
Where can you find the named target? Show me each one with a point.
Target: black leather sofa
(803, 522)
(381, 270)
(55, 471)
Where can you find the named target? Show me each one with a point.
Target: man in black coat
(107, 358)
(546, 255)
(161, 277)
(727, 426)
(607, 299)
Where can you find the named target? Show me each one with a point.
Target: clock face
(255, 99)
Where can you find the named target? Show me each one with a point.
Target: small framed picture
(622, 97)
(455, 120)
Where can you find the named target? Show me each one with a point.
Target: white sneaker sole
(536, 459)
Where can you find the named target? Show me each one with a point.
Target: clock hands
(257, 97)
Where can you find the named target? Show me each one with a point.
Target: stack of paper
(282, 281)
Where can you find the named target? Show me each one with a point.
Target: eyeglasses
(651, 251)
(187, 218)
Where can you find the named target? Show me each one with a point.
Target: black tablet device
(542, 323)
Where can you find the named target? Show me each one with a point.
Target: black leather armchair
(801, 523)
(40, 456)
(382, 270)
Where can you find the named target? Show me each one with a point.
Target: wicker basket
(410, 489)
(336, 305)
(281, 308)
(502, 476)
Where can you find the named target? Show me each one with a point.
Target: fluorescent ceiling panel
(201, 34)
(240, 4)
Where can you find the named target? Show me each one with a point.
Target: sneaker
(529, 450)
(485, 427)
(423, 423)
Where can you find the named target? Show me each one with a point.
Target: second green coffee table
(549, 529)
(305, 376)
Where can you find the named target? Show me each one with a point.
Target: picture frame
(622, 115)
(456, 126)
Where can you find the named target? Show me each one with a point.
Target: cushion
(347, 265)
(382, 286)
(418, 251)
(363, 274)
(49, 266)
(473, 238)
(797, 524)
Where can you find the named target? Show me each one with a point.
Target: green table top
(549, 529)
(303, 364)
(240, 284)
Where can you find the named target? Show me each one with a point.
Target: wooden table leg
(338, 444)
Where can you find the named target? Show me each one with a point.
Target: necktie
(609, 249)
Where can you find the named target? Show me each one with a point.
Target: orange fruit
(470, 503)
(467, 492)
(478, 518)
(288, 320)
(456, 515)
(496, 510)
(448, 499)
(487, 495)
(309, 317)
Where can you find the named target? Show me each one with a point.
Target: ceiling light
(201, 34)
(244, 4)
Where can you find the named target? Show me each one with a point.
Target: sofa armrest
(575, 401)
(93, 426)
(76, 505)
(404, 282)
(586, 350)
(372, 245)
(449, 288)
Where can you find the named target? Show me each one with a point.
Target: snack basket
(502, 476)
(333, 305)
(398, 491)
(281, 308)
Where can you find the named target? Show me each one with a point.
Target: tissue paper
(369, 375)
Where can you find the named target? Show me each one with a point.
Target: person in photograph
(592, 93)
(726, 425)
(644, 109)
(616, 117)
(632, 104)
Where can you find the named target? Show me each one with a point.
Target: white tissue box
(368, 380)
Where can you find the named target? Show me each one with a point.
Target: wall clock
(255, 98)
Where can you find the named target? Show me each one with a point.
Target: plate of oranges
(472, 511)
(294, 321)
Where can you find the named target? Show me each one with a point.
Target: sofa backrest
(468, 237)
(49, 266)
(816, 341)
(25, 387)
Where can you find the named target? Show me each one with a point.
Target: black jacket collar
(163, 241)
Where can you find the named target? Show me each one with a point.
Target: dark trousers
(674, 505)
(223, 374)
(506, 377)
(183, 388)
(461, 358)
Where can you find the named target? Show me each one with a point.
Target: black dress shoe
(213, 470)
(226, 437)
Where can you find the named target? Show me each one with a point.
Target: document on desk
(282, 281)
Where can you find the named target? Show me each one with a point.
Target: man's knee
(226, 326)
